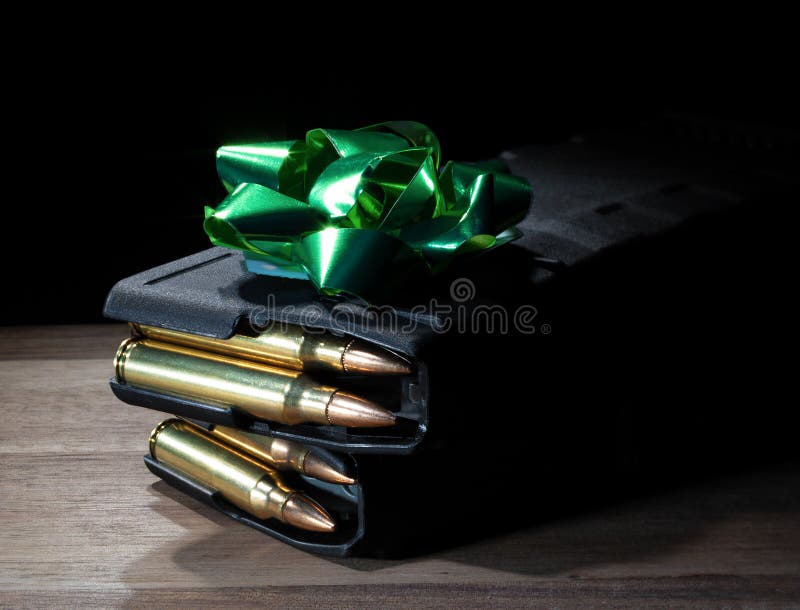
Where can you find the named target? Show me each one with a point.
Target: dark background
(112, 163)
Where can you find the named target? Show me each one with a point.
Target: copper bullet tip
(346, 409)
(360, 357)
(315, 466)
(301, 511)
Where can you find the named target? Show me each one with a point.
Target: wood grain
(84, 524)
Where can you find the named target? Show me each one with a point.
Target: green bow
(357, 211)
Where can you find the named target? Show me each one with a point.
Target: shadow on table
(627, 530)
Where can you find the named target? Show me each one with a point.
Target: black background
(112, 147)
(112, 162)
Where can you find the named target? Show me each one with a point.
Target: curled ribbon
(357, 211)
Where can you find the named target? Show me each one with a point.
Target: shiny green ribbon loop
(355, 210)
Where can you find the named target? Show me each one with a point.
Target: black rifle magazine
(613, 248)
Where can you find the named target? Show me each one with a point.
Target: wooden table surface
(83, 523)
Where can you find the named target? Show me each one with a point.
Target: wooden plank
(83, 523)
(691, 591)
(67, 341)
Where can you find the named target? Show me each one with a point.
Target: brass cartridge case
(238, 478)
(290, 346)
(281, 454)
(264, 392)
